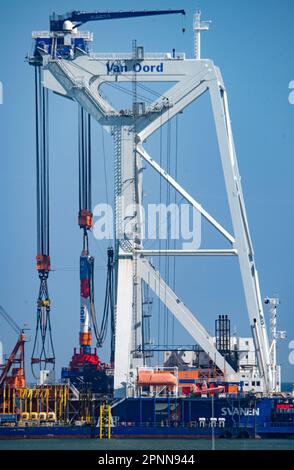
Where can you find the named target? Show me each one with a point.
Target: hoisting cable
(159, 262)
(42, 356)
(85, 221)
(175, 202)
(108, 310)
(85, 178)
(129, 92)
(126, 79)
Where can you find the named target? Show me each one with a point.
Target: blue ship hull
(231, 417)
(246, 416)
(188, 412)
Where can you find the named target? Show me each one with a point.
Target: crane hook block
(44, 303)
(43, 263)
(85, 219)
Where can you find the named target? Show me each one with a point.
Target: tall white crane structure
(69, 69)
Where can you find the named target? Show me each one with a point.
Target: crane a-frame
(69, 69)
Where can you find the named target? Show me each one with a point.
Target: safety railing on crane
(129, 56)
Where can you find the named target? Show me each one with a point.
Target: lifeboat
(156, 378)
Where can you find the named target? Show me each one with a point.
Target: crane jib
(81, 17)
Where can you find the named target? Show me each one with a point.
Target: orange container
(232, 389)
(187, 378)
(188, 374)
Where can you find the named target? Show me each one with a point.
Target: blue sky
(252, 42)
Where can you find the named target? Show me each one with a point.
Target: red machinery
(16, 358)
(203, 389)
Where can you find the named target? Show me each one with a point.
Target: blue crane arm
(81, 17)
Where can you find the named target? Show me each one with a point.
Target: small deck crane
(74, 19)
(16, 357)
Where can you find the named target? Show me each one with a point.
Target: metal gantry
(71, 70)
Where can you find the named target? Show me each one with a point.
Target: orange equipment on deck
(17, 378)
(232, 389)
(201, 389)
(187, 378)
(147, 378)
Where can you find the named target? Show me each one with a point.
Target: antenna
(198, 26)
